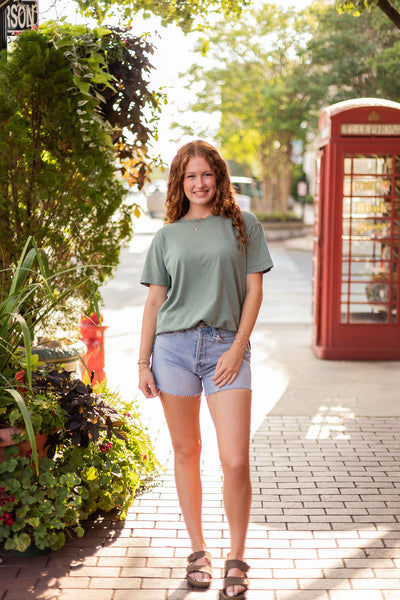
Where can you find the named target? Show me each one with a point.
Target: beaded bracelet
(144, 361)
(240, 343)
(243, 335)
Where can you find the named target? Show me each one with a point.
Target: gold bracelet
(144, 361)
(143, 368)
(240, 343)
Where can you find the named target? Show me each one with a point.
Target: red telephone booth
(357, 232)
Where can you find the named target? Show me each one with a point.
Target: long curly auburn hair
(224, 205)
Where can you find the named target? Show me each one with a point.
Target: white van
(156, 196)
(244, 192)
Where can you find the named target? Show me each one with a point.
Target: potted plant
(25, 303)
(98, 460)
(98, 455)
(36, 510)
(110, 451)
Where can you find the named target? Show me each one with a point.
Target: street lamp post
(3, 32)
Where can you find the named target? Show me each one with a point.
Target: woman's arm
(155, 298)
(228, 365)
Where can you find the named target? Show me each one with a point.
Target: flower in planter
(21, 383)
(5, 497)
(105, 447)
(6, 518)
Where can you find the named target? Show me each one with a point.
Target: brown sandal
(193, 568)
(231, 581)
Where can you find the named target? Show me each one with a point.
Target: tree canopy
(350, 58)
(273, 70)
(356, 7)
(250, 84)
(187, 14)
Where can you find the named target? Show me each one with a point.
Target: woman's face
(199, 183)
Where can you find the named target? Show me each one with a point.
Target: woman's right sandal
(196, 568)
(233, 563)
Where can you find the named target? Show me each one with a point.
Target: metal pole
(3, 30)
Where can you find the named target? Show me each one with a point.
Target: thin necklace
(196, 227)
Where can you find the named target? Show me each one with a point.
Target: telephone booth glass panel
(370, 238)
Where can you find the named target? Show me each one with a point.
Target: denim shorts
(184, 361)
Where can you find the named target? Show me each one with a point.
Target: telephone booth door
(357, 235)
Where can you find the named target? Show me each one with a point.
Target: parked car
(156, 198)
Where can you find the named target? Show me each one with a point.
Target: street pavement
(325, 467)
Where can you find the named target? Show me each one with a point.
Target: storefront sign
(370, 129)
(22, 15)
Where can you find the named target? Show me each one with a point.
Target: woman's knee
(187, 451)
(236, 467)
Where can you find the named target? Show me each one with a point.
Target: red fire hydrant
(92, 333)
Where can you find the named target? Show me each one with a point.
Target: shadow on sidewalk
(43, 577)
(327, 489)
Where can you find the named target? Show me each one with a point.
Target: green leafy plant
(87, 413)
(27, 298)
(39, 509)
(113, 471)
(46, 414)
(100, 469)
(103, 441)
(79, 118)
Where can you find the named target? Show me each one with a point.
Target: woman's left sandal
(194, 568)
(232, 581)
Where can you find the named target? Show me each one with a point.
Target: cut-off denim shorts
(184, 361)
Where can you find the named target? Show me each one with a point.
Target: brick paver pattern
(324, 525)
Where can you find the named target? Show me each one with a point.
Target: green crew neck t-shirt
(201, 263)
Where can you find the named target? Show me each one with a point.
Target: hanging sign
(22, 15)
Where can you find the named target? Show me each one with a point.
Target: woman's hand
(146, 383)
(228, 366)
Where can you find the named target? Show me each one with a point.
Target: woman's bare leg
(231, 413)
(182, 416)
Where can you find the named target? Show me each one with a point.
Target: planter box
(54, 352)
(6, 439)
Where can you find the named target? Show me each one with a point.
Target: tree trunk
(266, 187)
(390, 11)
(284, 181)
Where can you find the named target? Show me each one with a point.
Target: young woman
(204, 272)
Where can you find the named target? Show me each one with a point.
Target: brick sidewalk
(323, 526)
